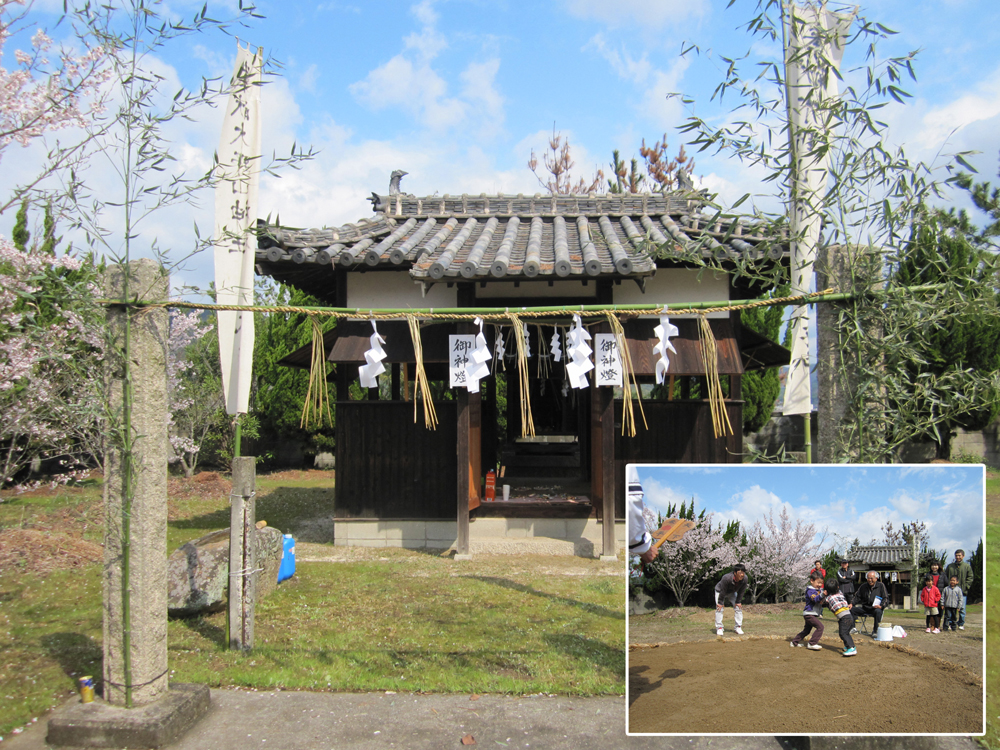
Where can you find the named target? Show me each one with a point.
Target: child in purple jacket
(812, 612)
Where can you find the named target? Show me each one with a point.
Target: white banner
(460, 348)
(235, 216)
(608, 359)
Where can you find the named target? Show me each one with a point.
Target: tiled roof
(514, 237)
(882, 554)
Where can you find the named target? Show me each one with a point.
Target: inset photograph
(807, 599)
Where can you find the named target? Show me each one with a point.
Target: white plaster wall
(395, 289)
(561, 288)
(671, 286)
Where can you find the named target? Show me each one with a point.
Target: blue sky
(459, 92)
(844, 501)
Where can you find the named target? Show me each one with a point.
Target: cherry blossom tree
(699, 555)
(50, 342)
(51, 337)
(778, 554)
(195, 390)
(50, 88)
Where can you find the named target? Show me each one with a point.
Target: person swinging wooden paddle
(641, 542)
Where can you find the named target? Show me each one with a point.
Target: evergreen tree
(48, 246)
(280, 392)
(761, 387)
(946, 250)
(20, 235)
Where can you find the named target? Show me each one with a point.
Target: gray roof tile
(515, 236)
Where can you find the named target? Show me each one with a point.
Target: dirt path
(759, 684)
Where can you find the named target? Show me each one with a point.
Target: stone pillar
(135, 537)
(845, 269)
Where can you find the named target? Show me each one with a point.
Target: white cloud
(416, 89)
(645, 13)
(660, 497)
(425, 13)
(980, 103)
(656, 102)
(754, 503)
(307, 81)
(479, 90)
(408, 81)
(627, 67)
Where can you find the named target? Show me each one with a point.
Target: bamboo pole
(502, 313)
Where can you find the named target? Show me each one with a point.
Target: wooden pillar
(242, 565)
(343, 382)
(395, 381)
(607, 411)
(462, 480)
(469, 458)
(596, 465)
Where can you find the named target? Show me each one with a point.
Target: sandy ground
(964, 647)
(774, 689)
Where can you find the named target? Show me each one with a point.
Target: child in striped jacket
(837, 604)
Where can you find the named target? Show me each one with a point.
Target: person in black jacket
(845, 579)
(871, 599)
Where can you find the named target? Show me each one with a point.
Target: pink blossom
(38, 97)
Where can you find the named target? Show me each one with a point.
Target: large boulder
(269, 545)
(198, 572)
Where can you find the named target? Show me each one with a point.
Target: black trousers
(845, 624)
(863, 609)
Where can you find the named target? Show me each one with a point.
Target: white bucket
(884, 633)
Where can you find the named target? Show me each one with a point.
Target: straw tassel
(527, 422)
(317, 403)
(716, 400)
(420, 377)
(628, 413)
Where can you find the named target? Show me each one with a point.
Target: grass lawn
(387, 620)
(991, 593)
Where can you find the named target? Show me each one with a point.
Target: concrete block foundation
(506, 536)
(154, 725)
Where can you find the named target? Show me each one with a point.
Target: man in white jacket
(639, 540)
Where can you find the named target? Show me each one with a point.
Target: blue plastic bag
(287, 567)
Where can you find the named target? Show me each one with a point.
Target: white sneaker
(718, 631)
(816, 647)
(960, 627)
(739, 631)
(854, 631)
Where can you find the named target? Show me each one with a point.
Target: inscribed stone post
(135, 489)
